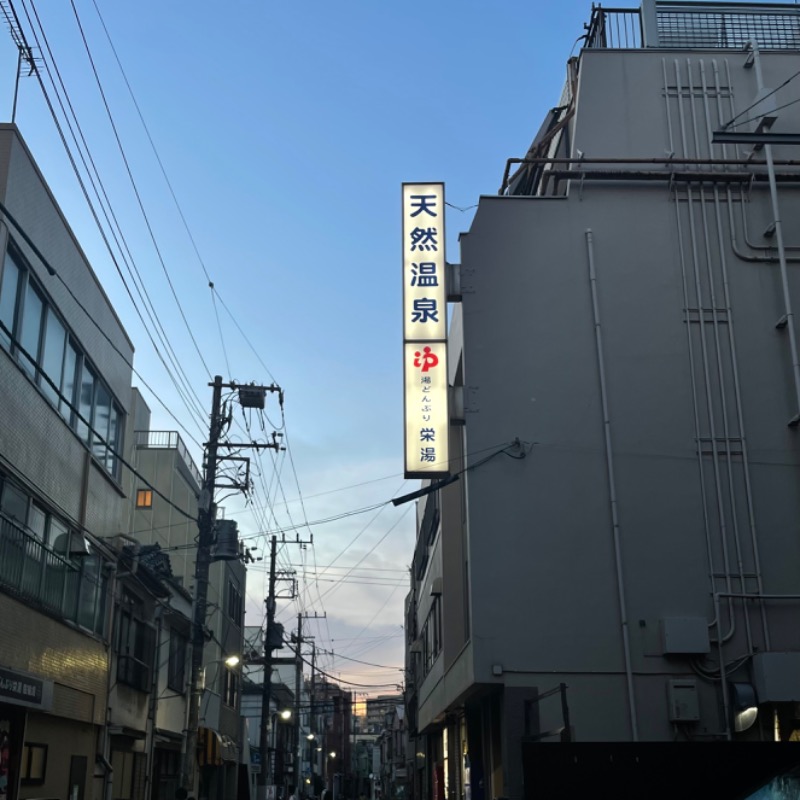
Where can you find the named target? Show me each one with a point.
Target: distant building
(379, 709)
(167, 517)
(391, 780)
(148, 696)
(618, 562)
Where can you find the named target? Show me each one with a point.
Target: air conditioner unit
(416, 647)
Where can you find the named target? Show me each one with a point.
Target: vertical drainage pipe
(612, 491)
(692, 368)
(720, 368)
(773, 193)
(734, 364)
(706, 372)
(696, 411)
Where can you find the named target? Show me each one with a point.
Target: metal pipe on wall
(720, 369)
(696, 411)
(706, 373)
(612, 490)
(751, 519)
(695, 407)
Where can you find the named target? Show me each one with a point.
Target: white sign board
(427, 417)
(424, 295)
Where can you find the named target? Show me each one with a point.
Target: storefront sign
(21, 689)
(427, 416)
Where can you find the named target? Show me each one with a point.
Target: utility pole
(266, 686)
(250, 396)
(205, 520)
(298, 744)
(315, 741)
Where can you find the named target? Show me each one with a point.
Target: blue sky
(286, 130)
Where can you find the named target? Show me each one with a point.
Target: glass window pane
(8, 298)
(58, 536)
(37, 521)
(30, 331)
(38, 758)
(68, 383)
(85, 402)
(114, 436)
(14, 504)
(53, 354)
(102, 412)
(88, 594)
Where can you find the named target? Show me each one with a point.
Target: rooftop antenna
(24, 50)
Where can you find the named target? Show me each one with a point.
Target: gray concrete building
(619, 561)
(65, 379)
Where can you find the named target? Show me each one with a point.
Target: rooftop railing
(614, 28)
(700, 26)
(168, 440)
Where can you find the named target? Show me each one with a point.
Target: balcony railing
(168, 440)
(34, 572)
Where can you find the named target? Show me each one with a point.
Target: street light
(328, 776)
(228, 661)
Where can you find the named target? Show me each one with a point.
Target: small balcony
(46, 579)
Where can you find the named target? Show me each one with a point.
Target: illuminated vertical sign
(427, 416)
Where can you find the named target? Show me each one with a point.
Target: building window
(38, 339)
(144, 498)
(135, 644)
(176, 675)
(14, 504)
(34, 763)
(9, 293)
(30, 330)
(230, 689)
(432, 635)
(234, 609)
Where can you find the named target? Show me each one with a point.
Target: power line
(130, 265)
(760, 100)
(777, 108)
(366, 663)
(137, 194)
(85, 192)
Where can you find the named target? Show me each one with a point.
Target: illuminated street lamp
(228, 661)
(328, 776)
